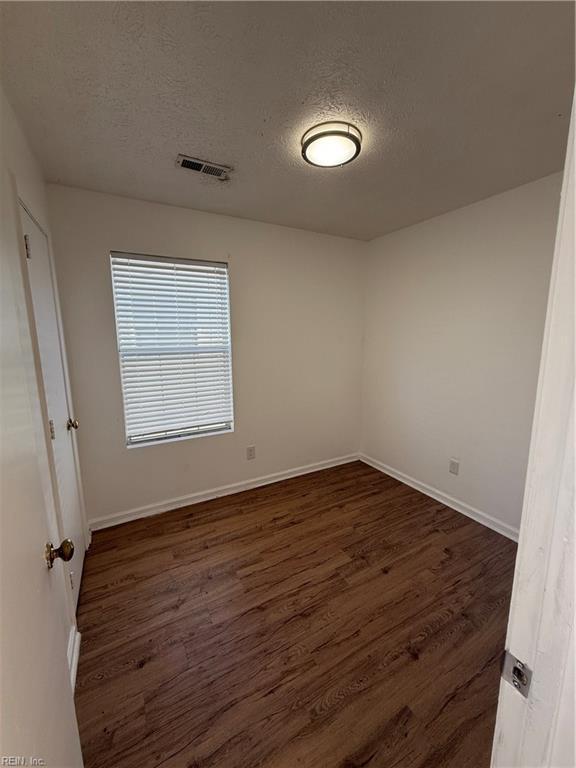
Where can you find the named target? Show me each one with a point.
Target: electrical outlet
(251, 452)
(454, 466)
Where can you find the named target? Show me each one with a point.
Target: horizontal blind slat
(173, 390)
(163, 420)
(168, 405)
(144, 427)
(211, 428)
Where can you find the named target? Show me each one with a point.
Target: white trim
(214, 493)
(449, 501)
(73, 653)
(64, 356)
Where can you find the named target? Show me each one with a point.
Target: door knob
(72, 424)
(65, 552)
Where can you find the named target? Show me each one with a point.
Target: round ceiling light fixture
(329, 145)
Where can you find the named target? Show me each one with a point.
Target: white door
(61, 432)
(37, 718)
(537, 730)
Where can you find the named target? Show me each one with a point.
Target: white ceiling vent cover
(220, 172)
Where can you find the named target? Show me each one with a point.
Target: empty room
(287, 403)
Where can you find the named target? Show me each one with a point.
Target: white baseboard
(214, 493)
(449, 501)
(73, 653)
(245, 485)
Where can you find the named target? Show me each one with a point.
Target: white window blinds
(173, 329)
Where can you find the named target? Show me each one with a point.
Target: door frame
(40, 378)
(535, 731)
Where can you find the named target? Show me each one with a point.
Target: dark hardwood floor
(335, 620)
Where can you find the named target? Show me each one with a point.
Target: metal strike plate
(517, 673)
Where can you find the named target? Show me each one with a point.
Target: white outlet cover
(454, 466)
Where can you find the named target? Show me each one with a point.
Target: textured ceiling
(456, 101)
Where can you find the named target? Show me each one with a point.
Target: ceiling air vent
(220, 172)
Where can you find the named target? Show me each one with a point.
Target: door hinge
(52, 430)
(27, 246)
(516, 673)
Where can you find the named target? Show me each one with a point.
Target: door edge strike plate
(516, 673)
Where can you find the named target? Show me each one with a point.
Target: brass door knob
(72, 424)
(65, 552)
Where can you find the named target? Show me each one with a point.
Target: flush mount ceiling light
(332, 144)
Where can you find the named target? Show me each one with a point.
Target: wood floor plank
(336, 620)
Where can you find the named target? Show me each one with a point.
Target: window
(173, 329)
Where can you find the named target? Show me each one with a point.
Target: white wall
(450, 313)
(454, 317)
(296, 336)
(23, 164)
